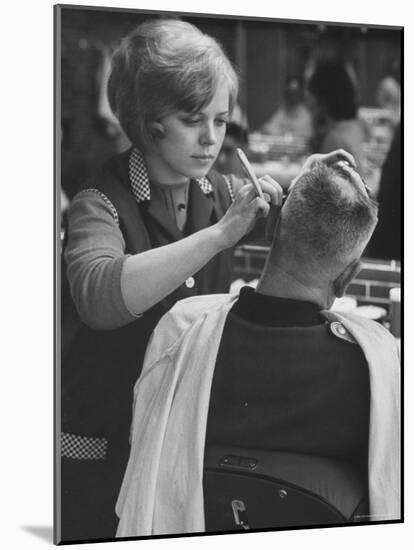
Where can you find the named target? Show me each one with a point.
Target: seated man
(272, 368)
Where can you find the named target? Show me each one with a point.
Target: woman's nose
(208, 135)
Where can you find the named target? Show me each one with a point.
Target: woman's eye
(222, 121)
(191, 121)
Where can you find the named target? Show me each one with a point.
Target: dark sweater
(284, 381)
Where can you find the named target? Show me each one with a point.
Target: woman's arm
(150, 276)
(111, 289)
(94, 255)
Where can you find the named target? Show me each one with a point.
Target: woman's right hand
(242, 215)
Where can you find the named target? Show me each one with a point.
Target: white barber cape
(162, 490)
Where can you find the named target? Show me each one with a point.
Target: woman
(153, 226)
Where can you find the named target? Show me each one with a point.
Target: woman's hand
(247, 208)
(329, 158)
(272, 190)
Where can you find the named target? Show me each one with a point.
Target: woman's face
(190, 142)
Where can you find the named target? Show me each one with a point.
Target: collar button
(190, 282)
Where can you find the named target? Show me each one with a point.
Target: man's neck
(283, 284)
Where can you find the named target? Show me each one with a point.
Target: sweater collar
(140, 182)
(276, 312)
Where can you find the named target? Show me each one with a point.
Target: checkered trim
(105, 199)
(229, 187)
(205, 185)
(138, 176)
(83, 448)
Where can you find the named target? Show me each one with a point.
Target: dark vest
(99, 368)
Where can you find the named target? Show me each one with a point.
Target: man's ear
(157, 130)
(341, 283)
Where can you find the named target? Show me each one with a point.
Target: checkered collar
(139, 179)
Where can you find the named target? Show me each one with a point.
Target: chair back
(257, 489)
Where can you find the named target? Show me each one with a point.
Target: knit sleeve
(95, 255)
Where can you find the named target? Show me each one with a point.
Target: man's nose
(208, 134)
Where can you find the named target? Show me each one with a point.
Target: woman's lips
(204, 160)
(203, 157)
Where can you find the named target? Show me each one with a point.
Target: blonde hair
(161, 67)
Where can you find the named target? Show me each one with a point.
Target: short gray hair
(326, 216)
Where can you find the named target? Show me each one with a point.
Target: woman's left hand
(272, 190)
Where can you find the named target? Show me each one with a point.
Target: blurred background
(305, 87)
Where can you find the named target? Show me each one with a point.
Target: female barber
(154, 225)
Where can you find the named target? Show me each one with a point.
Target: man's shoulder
(354, 319)
(185, 315)
(367, 333)
(195, 306)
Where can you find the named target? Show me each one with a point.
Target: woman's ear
(341, 283)
(157, 130)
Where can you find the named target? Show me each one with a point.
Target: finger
(310, 161)
(246, 182)
(271, 181)
(271, 188)
(261, 207)
(346, 168)
(246, 190)
(355, 177)
(340, 154)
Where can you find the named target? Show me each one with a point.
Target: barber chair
(256, 489)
